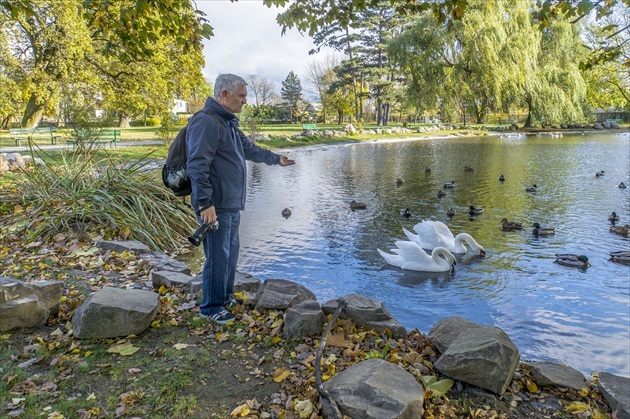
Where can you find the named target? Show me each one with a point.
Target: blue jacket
(216, 159)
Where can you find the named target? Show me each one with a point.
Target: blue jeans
(221, 249)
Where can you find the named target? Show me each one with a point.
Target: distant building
(181, 106)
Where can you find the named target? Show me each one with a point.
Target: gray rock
(447, 330)
(246, 283)
(131, 246)
(557, 375)
(483, 356)
(597, 125)
(113, 312)
(616, 390)
(367, 312)
(163, 262)
(18, 300)
(304, 319)
(614, 125)
(22, 313)
(171, 279)
(377, 389)
(606, 125)
(280, 294)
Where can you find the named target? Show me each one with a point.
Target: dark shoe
(222, 317)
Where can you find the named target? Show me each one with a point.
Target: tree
(291, 92)
(311, 16)
(262, 87)
(319, 76)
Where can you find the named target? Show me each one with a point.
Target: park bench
(617, 121)
(20, 134)
(88, 137)
(309, 126)
(507, 121)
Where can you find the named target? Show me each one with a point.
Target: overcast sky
(247, 40)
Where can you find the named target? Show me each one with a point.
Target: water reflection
(551, 312)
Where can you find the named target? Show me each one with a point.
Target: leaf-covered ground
(184, 366)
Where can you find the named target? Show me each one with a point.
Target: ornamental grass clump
(105, 199)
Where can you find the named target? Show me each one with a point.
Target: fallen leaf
(280, 374)
(134, 370)
(180, 346)
(124, 349)
(339, 339)
(304, 408)
(242, 410)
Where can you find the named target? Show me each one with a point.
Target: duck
(427, 170)
(286, 213)
(475, 211)
(621, 257)
(468, 169)
(405, 212)
(449, 185)
(400, 181)
(432, 234)
(622, 185)
(354, 205)
(613, 217)
(599, 174)
(502, 178)
(625, 229)
(409, 255)
(542, 231)
(568, 259)
(441, 193)
(450, 212)
(532, 188)
(510, 225)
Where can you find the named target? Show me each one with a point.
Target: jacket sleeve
(257, 154)
(202, 142)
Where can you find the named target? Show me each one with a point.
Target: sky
(247, 40)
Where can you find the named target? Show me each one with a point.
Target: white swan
(432, 234)
(409, 255)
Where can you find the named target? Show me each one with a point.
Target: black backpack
(174, 170)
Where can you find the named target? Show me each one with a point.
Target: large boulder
(171, 279)
(367, 312)
(616, 390)
(280, 294)
(27, 304)
(113, 312)
(376, 389)
(557, 375)
(304, 319)
(483, 356)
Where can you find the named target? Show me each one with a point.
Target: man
(216, 166)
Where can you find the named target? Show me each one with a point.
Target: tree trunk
(124, 121)
(528, 122)
(33, 112)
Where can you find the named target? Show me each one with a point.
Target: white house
(181, 106)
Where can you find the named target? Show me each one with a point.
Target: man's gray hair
(229, 83)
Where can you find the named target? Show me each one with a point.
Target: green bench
(309, 126)
(20, 134)
(618, 120)
(89, 137)
(507, 121)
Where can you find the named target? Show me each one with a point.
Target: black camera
(197, 237)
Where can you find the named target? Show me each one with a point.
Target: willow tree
(556, 90)
(470, 64)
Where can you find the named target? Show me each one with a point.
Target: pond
(551, 312)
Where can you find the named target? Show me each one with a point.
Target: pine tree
(291, 92)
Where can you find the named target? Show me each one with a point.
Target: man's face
(234, 102)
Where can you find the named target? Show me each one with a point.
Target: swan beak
(482, 253)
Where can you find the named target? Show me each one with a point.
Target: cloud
(247, 40)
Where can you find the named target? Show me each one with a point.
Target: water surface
(551, 312)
